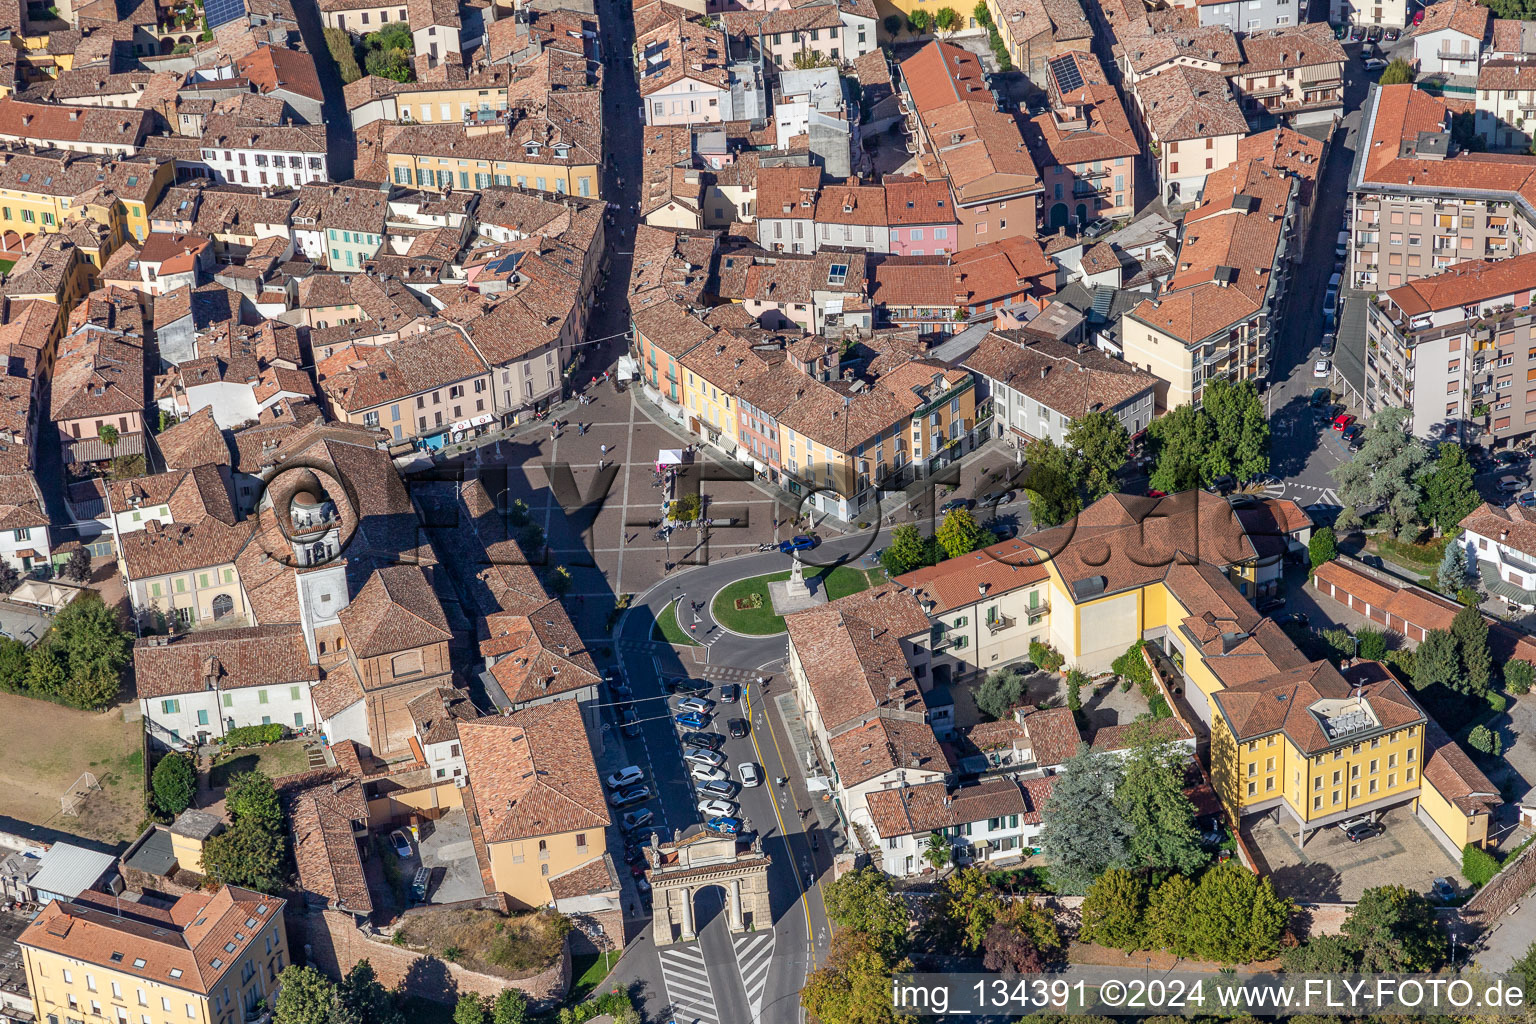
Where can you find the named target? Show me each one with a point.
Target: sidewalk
(827, 818)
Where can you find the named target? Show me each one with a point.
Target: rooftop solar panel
(220, 12)
(1068, 78)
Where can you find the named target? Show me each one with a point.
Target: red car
(1155, 493)
(1342, 421)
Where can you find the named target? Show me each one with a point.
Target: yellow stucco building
(210, 959)
(1323, 745)
(535, 803)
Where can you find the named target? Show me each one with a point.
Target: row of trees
(1131, 813)
(1227, 434)
(1230, 916)
(958, 534)
(78, 662)
(1393, 471)
(1391, 929)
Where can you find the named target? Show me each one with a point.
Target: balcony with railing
(998, 622)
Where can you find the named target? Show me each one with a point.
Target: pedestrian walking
(603, 448)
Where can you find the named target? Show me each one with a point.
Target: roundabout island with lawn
(747, 607)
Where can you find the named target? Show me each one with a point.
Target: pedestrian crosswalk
(754, 955)
(687, 981)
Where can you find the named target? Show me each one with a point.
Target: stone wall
(332, 943)
(1506, 889)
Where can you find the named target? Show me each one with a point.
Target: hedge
(254, 735)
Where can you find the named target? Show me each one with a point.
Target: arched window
(223, 605)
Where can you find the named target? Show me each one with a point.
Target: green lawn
(669, 630)
(6, 265)
(1413, 556)
(760, 620)
(275, 761)
(589, 970)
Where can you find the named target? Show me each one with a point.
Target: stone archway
(689, 863)
(1059, 216)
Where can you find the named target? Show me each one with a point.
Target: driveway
(1332, 869)
(446, 848)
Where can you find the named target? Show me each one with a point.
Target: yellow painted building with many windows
(212, 958)
(1323, 745)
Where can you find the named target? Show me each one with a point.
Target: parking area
(1330, 868)
(446, 849)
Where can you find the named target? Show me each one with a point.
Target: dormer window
(531, 149)
(562, 151)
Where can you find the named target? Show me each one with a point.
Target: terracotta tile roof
(538, 655)
(1466, 284)
(929, 807)
(353, 207)
(271, 68)
(787, 192)
(1070, 381)
(998, 270)
(1506, 74)
(1294, 46)
(681, 49)
(858, 666)
(360, 377)
(230, 131)
(321, 806)
(1464, 16)
(1053, 735)
(189, 940)
(909, 810)
(531, 773)
(1512, 36)
(914, 200)
(69, 126)
(852, 205)
(992, 571)
(981, 149)
(596, 877)
(336, 692)
(180, 547)
(1292, 702)
(1205, 45)
(437, 713)
(1106, 131)
(885, 744)
(227, 658)
(1181, 103)
(1454, 775)
(395, 611)
(1287, 151)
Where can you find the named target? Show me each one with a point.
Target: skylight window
(217, 963)
(229, 947)
(117, 957)
(837, 273)
(175, 972)
(138, 962)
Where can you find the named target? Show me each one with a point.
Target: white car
(697, 704)
(1375, 63)
(698, 755)
(717, 808)
(704, 773)
(1320, 369)
(625, 777)
(750, 776)
(1510, 484)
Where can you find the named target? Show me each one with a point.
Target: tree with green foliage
(1241, 428)
(1471, 632)
(367, 1001)
(339, 42)
(1084, 832)
(853, 984)
(1321, 954)
(1323, 547)
(1518, 676)
(174, 782)
(1483, 739)
(906, 551)
(1000, 693)
(1102, 445)
(387, 52)
(919, 21)
(1399, 72)
(251, 852)
(1045, 656)
(982, 14)
(1394, 928)
(1449, 492)
(1384, 473)
(1437, 661)
(959, 533)
(1075, 681)
(510, 1007)
(13, 665)
(47, 671)
(305, 996)
(947, 20)
(82, 655)
(78, 568)
(1159, 817)
(862, 901)
(892, 25)
(1526, 966)
(1132, 665)
(1050, 482)
(937, 851)
(1451, 577)
(559, 581)
(1168, 915)
(1478, 866)
(471, 1009)
(1115, 911)
(109, 437)
(1180, 443)
(1235, 916)
(970, 905)
(1373, 644)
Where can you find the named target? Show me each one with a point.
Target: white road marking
(687, 983)
(754, 956)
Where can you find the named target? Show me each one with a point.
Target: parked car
(1445, 889)
(633, 820)
(954, 503)
(1002, 530)
(1330, 306)
(730, 693)
(700, 704)
(716, 808)
(1340, 31)
(1292, 619)
(1361, 831)
(419, 884)
(682, 684)
(798, 543)
(1224, 484)
(643, 887)
(1351, 435)
(1357, 34)
(1373, 33)
(1509, 484)
(1271, 604)
(707, 740)
(727, 825)
(625, 777)
(1375, 63)
(1392, 35)
(617, 684)
(1340, 248)
(1326, 346)
(1321, 397)
(1343, 421)
(717, 787)
(997, 498)
(631, 729)
(691, 720)
(1527, 500)
(1510, 457)
(751, 777)
(632, 795)
(1321, 369)
(401, 845)
(707, 773)
(698, 755)
(738, 727)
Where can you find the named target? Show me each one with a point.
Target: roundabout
(746, 607)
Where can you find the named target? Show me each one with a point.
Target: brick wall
(329, 941)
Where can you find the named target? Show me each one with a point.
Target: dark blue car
(728, 826)
(800, 543)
